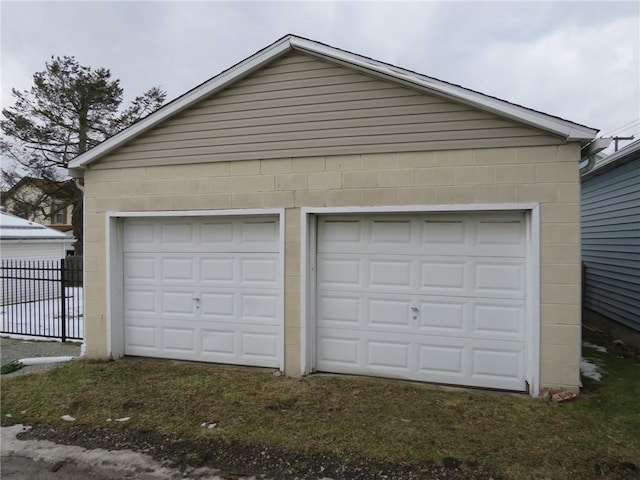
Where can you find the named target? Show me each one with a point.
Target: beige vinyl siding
(301, 106)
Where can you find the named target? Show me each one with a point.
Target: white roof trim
(555, 125)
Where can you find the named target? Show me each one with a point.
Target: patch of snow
(590, 370)
(597, 348)
(123, 419)
(67, 418)
(17, 318)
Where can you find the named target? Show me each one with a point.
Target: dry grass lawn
(596, 436)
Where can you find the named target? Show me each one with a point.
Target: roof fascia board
(185, 101)
(564, 128)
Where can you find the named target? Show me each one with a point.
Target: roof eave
(564, 128)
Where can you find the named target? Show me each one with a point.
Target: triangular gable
(339, 73)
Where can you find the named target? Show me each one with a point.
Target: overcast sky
(576, 60)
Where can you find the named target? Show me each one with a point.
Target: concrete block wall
(548, 175)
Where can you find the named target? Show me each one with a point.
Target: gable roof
(569, 130)
(53, 188)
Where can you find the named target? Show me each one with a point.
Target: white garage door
(203, 288)
(438, 298)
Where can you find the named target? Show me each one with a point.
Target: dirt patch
(613, 345)
(233, 458)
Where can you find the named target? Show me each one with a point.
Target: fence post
(63, 305)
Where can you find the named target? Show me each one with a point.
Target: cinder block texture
(547, 175)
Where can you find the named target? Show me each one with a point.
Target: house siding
(548, 175)
(611, 243)
(300, 106)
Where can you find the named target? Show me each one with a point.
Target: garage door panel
(501, 237)
(217, 233)
(443, 233)
(443, 316)
(139, 235)
(258, 307)
(177, 268)
(335, 309)
(385, 355)
(497, 366)
(141, 338)
(220, 342)
(340, 235)
(218, 269)
(177, 234)
(259, 270)
(260, 231)
(425, 297)
(504, 319)
(139, 268)
(241, 345)
(390, 274)
(362, 311)
(178, 340)
(176, 303)
(391, 233)
(219, 305)
(441, 361)
(202, 234)
(339, 271)
(444, 276)
(500, 278)
(255, 344)
(494, 235)
(431, 275)
(140, 301)
(338, 351)
(240, 306)
(386, 312)
(205, 289)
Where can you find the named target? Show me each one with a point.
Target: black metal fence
(42, 298)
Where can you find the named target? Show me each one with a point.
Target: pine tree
(69, 109)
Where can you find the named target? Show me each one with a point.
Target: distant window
(58, 217)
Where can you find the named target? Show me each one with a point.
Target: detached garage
(313, 210)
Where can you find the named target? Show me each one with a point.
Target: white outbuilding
(25, 240)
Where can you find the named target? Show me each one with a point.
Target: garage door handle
(196, 299)
(415, 309)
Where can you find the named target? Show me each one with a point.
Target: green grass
(10, 367)
(514, 436)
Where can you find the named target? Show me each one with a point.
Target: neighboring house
(23, 240)
(310, 209)
(611, 238)
(43, 201)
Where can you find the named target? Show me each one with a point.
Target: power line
(620, 127)
(630, 127)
